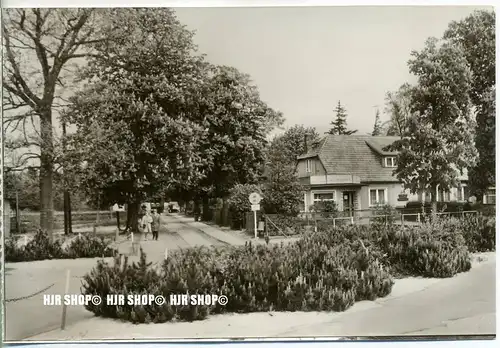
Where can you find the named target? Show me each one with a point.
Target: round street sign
(255, 198)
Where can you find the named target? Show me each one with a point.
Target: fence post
(352, 220)
(334, 222)
(64, 308)
(418, 217)
(132, 241)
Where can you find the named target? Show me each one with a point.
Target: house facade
(356, 173)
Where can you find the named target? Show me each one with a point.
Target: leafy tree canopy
(438, 142)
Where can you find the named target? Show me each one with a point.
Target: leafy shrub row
(327, 270)
(42, 248)
(287, 225)
(303, 276)
(479, 232)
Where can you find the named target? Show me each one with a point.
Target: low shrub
(239, 204)
(42, 248)
(309, 275)
(426, 251)
(383, 215)
(479, 233)
(285, 225)
(12, 252)
(323, 271)
(87, 246)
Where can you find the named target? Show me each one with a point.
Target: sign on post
(118, 208)
(255, 199)
(255, 207)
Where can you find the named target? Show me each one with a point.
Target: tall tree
(52, 38)
(377, 127)
(134, 133)
(283, 193)
(339, 124)
(237, 123)
(399, 109)
(476, 35)
(294, 142)
(438, 142)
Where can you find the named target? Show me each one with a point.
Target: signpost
(117, 209)
(255, 199)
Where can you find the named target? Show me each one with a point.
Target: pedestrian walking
(147, 221)
(156, 224)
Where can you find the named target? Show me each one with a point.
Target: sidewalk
(212, 231)
(229, 237)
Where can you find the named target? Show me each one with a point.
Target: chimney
(306, 144)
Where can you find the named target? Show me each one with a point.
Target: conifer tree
(339, 125)
(377, 127)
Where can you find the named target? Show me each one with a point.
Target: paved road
(29, 317)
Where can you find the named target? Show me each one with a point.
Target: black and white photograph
(248, 173)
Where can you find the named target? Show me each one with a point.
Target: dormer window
(308, 166)
(390, 162)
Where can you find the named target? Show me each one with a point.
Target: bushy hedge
(306, 276)
(426, 250)
(327, 270)
(42, 248)
(479, 232)
(288, 225)
(239, 204)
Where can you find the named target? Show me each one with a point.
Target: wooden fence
(275, 224)
(29, 222)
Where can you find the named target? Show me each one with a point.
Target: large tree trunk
(66, 217)
(117, 220)
(68, 228)
(66, 197)
(46, 171)
(133, 216)
(196, 209)
(70, 223)
(225, 212)
(206, 216)
(161, 209)
(433, 203)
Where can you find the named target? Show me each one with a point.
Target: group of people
(149, 223)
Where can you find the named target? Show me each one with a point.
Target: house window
(428, 196)
(490, 196)
(377, 196)
(390, 162)
(444, 196)
(325, 196)
(463, 193)
(308, 166)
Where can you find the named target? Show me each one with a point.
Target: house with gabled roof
(356, 173)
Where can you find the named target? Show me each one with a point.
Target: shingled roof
(359, 155)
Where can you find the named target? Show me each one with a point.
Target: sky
(306, 59)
